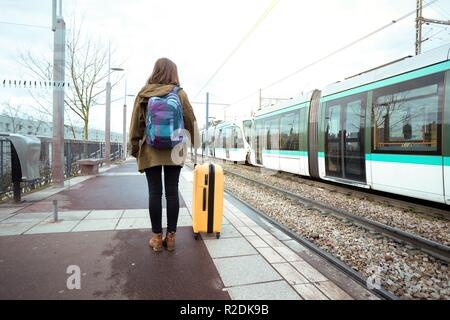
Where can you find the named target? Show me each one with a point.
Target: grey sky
(199, 34)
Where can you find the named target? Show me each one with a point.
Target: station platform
(103, 230)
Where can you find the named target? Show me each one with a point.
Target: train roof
(228, 123)
(294, 102)
(395, 68)
(232, 122)
(405, 65)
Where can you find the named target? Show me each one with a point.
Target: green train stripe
(447, 161)
(393, 80)
(410, 159)
(285, 110)
(287, 153)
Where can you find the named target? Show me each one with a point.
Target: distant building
(42, 128)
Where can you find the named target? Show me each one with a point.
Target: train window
(224, 138)
(220, 140)
(237, 138)
(217, 138)
(334, 120)
(258, 140)
(203, 140)
(211, 139)
(247, 129)
(289, 132)
(268, 140)
(272, 134)
(408, 118)
(303, 129)
(229, 138)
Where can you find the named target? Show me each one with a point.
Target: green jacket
(147, 156)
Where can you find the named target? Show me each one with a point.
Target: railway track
(358, 277)
(435, 249)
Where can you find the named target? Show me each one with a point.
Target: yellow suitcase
(207, 203)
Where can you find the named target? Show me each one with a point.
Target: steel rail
(349, 271)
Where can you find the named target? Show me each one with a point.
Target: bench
(89, 167)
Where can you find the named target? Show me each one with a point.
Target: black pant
(154, 180)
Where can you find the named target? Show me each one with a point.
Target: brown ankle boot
(169, 241)
(156, 242)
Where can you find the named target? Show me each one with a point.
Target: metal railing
(73, 150)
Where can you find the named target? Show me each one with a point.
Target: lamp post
(59, 45)
(124, 138)
(108, 113)
(125, 147)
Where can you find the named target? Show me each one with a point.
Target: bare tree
(42, 70)
(86, 70)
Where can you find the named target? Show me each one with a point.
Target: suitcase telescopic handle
(204, 199)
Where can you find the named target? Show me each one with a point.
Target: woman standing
(152, 160)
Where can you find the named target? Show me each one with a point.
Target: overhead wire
(264, 15)
(24, 25)
(442, 11)
(332, 53)
(434, 36)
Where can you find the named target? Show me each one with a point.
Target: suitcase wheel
(218, 235)
(196, 236)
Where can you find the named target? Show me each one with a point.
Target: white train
(228, 141)
(386, 129)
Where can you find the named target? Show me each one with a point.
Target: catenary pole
(125, 124)
(420, 20)
(59, 52)
(419, 27)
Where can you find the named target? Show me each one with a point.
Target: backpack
(164, 121)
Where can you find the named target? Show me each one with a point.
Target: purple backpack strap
(176, 89)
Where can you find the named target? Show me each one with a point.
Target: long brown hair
(164, 72)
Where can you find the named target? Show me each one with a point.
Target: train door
(211, 138)
(271, 146)
(247, 139)
(234, 143)
(229, 142)
(219, 144)
(344, 139)
(290, 157)
(259, 132)
(203, 144)
(446, 138)
(446, 162)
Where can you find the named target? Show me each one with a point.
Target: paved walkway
(103, 229)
